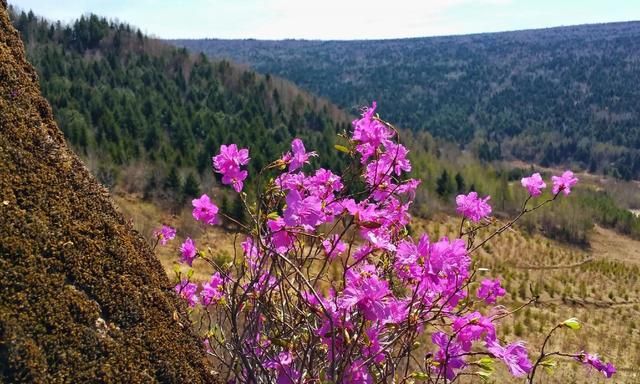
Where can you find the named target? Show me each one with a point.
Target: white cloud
(336, 19)
(344, 19)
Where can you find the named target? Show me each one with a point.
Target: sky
(336, 19)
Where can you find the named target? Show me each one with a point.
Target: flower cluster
(564, 182)
(204, 210)
(187, 291)
(472, 207)
(330, 286)
(534, 184)
(490, 290)
(228, 163)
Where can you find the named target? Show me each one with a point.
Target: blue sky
(336, 19)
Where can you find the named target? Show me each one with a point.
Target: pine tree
(173, 182)
(191, 187)
(237, 210)
(460, 185)
(444, 184)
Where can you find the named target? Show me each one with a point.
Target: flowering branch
(329, 285)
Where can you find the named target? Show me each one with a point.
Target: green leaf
(341, 148)
(273, 215)
(420, 376)
(549, 365)
(572, 323)
(486, 363)
(278, 342)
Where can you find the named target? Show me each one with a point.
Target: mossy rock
(82, 296)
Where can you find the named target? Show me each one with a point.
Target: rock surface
(82, 296)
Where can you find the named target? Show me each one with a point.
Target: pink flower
(473, 327)
(235, 178)
(251, 253)
(204, 210)
(212, 291)
(450, 352)
(230, 158)
(408, 188)
(333, 246)
(363, 212)
(490, 290)
(187, 291)
(265, 281)
(378, 172)
(279, 237)
(298, 155)
(396, 155)
(564, 183)
(165, 234)
(380, 239)
(534, 184)
(207, 346)
(228, 163)
(370, 133)
(373, 347)
(406, 261)
(447, 263)
(306, 212)
(472, 207)
(188, 251)
(410, 258)
(513, 355)
(357, 373)
(592, 360)
(283, 364)
(365, 291)
(323, 184)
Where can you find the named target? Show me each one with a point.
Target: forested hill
(136, 108)
(565, 95)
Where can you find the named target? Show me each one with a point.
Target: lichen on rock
(82, 296)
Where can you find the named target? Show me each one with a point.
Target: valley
(477, 113)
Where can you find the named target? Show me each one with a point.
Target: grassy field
(599, 285)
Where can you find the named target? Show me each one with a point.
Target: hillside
(83, 298)
(147, 116)
(559, 96)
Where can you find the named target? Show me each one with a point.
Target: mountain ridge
(512, 31)
(557, 96)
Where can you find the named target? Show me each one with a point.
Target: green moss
(83, 298)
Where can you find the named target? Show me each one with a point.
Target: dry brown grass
(146, 217)
(613, 246)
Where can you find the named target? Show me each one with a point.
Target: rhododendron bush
(329, 286)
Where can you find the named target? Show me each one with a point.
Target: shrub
(330, 286)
